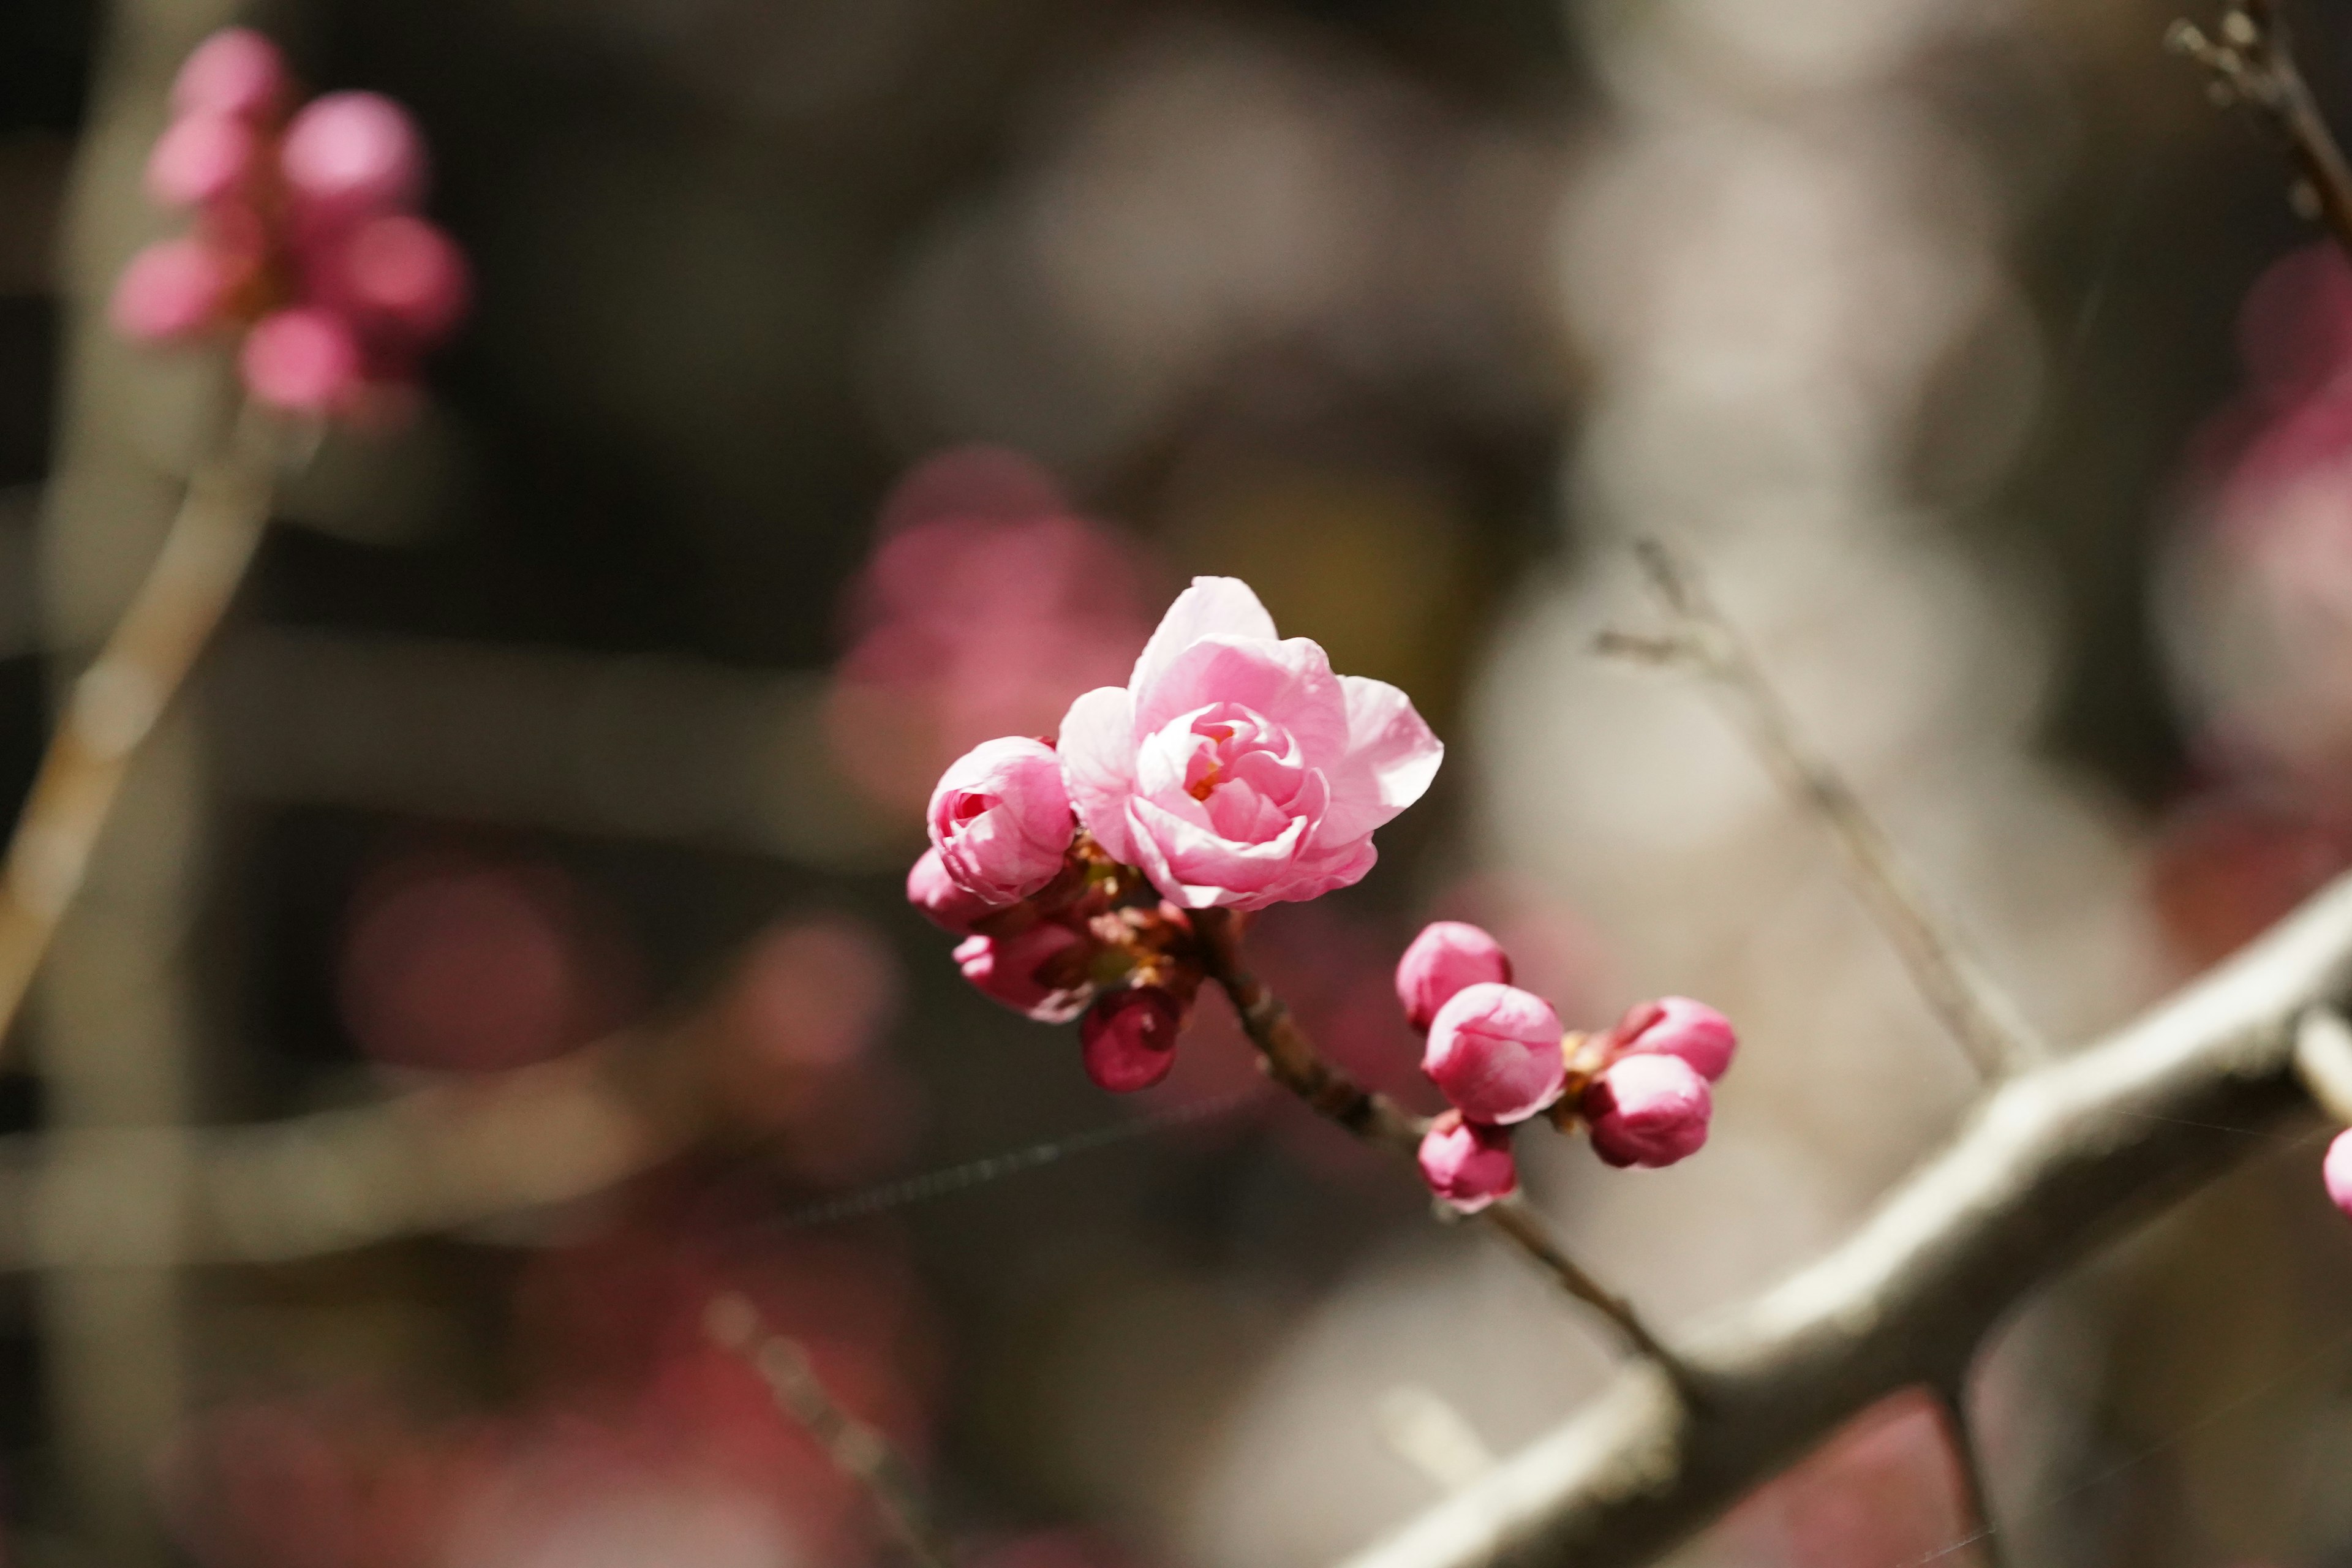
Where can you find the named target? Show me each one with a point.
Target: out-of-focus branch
(1968, 1463)
(2055, 1162)
(1291, 1060)
(2252, 62)
(861, 1453)
(1976, 1011)
(117, 698)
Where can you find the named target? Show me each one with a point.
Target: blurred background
(501, 951)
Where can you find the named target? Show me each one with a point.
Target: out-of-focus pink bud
(933, 892)
(1648, 1111)
(171, 289)
(1127, 1040)
(1037, 972)
(201, 158)
(1678, 1026)
(1000, 818)
(302, 362)
(350, 153)
(1494, 1050)
(2337, 1171)
(1446, 956)
(236, 72)
(402, 273)
(1467, 1164)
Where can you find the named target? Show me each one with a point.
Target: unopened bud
(1649, 1111)
(1467, 1164)
(1038, 972)
(1678, 1026)
(1494, 1051)
(2335, 1170)
(947, 906)
(1128, 1040)
(1446, 956)
(1000, 819)
(352, 153)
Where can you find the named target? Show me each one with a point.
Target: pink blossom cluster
(1499, 1056)
(306, 239)
(1232, 771)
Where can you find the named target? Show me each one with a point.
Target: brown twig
(1291, 1060)
(1955, 985)
(2252, 62)
(863, 1454)
(116, 700)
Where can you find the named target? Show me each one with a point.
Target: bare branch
(2055, 1162)
(1291, 1061)
(2253, 63)
(863, 1454)
(1955, 985)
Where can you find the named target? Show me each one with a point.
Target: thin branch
(2323, 1061)
(2055, 1163)
(1968, 1463)
(1291, 1060)
(1955, 985)
(2253, 63)
(116, 700)
(861, 1453)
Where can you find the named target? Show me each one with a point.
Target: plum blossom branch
(862, 1454)
(1955, 985)
(1291, 1060)
(2056, 1161)
(2252, 62)
(117, 699)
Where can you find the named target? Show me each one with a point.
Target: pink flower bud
(302, 362)
(350, 153)
(400, 273)
(1467, 1164)
(2336, 1171)
(1039, 971)
(201, 158)
(1127, 1040)
(1494, 1050)
(236, 72)
(1446, 956)
(1647, 1111)
(172, 289)
(1000, 818)
(1678, 1026)
(933, 892)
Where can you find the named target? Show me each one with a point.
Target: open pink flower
(1234, 767)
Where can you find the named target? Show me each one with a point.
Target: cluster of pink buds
(306, 239)
(1499, 1054)
(1234, 771)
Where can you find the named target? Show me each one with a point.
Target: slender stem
(1291, 1060)
(1968, 1462)
(1957, 988)
(2323, 1061)
(861, 1453)
(117, 699)
(2253, 61)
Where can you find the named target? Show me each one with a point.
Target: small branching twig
(1968, 1463)
(116, 700)
(2252, 62)
(863, 1454)
(1291, 1061)
(1955, 985)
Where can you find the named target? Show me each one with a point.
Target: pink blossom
(947, 906)
(1467, 1164)
(1446, 956)
(301, 360)
(2335, 1170)
(1039, 971)
(236, 72)
(1678, 1026)
(201, 158)
(1494, 1051)
(172, 289)
(1000, 819)
(1234, 767)
(1128, 1038)
(1647, 1111)
(350, 153)
(400, 274)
